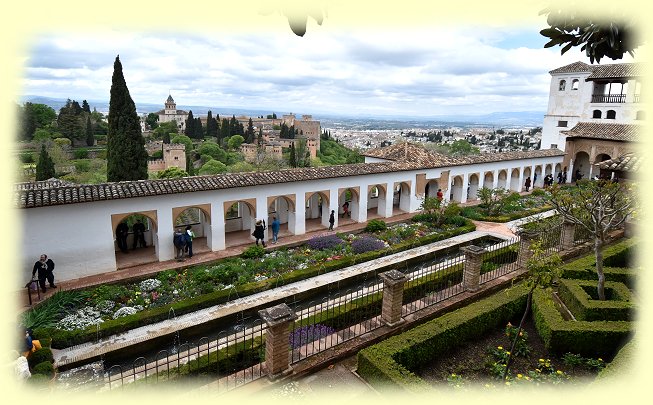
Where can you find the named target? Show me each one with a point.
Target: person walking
(439, 194)
(345, 209)
(534, 180)
(179, 240)
(122, 230)
(559, 177)
(276, 225)
(139, 234)
(189, 235)
(259, 232)
(44, 268)
(332, 219)
(528, 183)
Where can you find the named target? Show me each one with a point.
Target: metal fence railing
(231, 360)
(581, 235)
(432, 284)
(499, 260)
(551, 239)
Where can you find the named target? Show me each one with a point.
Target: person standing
(559, 177)
(122, 230)
(332, 219)
(440, 194)
(259, 232)
(189, 235)
(528, 183)
(139, 234)
(534, 180)
(276, 225)
(44, 267)
(178, 240)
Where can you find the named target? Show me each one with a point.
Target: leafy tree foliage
(126, 155)
(90, 139)
(32, 117)
(598, 36)
(190, 125)
(152, 120)
(235, 142)
(164, 130)
(172, 173)
(85, 107)
(249, 134)
(45, 165)
(213, 150)
(213, 167)
(71, 121)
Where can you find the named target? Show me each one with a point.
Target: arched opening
(548, 169)
(401, 198)
(146, 250)
(574, 84)
(538, 178)
(562, 85)
(199, 220)
(596, 114)
(472, 188)
(376, 201)
(457, 189)
(610, 115)
(557, 173)
(488, 180)
(581, 169)
(431, 189)
(596, 171)
(514, 180)
(348, 205)
(527, 174)
(502, 179)
(317, 211)
(283, 209)
(239, 221)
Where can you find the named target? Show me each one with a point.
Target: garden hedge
(388, 364)
(512, 216)
(589, 339)
(585, 307)
(62, 339)
(621, 365)
(616, 260)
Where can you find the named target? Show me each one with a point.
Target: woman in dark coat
(259, 232)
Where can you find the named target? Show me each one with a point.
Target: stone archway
(502, 181)
(140, 255)
(239, 221)
(350, 197)
(199, 219)
(538, 177)
(488, 180)
(457, 189)
(514, 180)
(401, 196)
(431, 189)
(376, 201)
(317, 210)
(581, 166)
(282, 208)
(473, 187)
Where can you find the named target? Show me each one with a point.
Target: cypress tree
(250, 132)
(190, 125)
(198, 131)
(90, 139)
(86, 107)
(45, 166)
(292, 158)
(126, 155)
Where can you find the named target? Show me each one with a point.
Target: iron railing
(608, 98)
(499, 260)
(581, 235)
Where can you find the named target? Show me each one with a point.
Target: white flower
(124, 311)
(150, 284)
(80, 319)
(260, 277)
(105, 307)
(227, 286)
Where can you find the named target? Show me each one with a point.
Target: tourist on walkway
(139, 234)
(122, 230)
(276, 225)
(440, 194)
(259, 232)
(179, 240)
(345, 209)
(189, 235)
(534, 180)
(528, 183)
(332, 219)
(564, 176)
(559, 177)
(44, 267)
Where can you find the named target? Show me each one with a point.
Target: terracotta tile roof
(612, 132)
(625, 163)
(573, 68)
(79, 193)
(409, 152)
(44, 184)
(617, 70)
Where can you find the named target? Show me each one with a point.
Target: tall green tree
(198, 129)
(249, 134)
(85, 107)
(190, 125)
(45, 165)
(152, 121)
(90, 138)
(71, 122)
(126, 155)
(292, 158)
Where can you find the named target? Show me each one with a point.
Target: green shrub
(471, 213)
(45, 368)
(456, 220)
(39, 356)
(27, 157)
(584, 307)
(80, 153)
(538, 192)
(376, 225)
(102, 154)
(253, 252)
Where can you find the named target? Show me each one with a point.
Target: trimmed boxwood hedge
(616, 274)
(514, 215)
(584, 308)
(620, 254)
(62, 339)
(622, 363)
(388, 364)
(589, 339)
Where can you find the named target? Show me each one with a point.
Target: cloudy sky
(466, 69)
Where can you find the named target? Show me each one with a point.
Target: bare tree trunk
(521, 324)
(600, 288)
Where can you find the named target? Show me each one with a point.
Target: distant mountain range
(497, 119)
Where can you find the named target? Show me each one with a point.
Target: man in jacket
(44, 268)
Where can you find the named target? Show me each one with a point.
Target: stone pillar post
(525, 253)
(277, 349)
(472, 272)
(567, 235)
(393, 294)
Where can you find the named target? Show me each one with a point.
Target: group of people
(43, 269)
(122, 231)
(548, 180)
(183, 241)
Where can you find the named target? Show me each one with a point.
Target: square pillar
(334, 204)
(217, 241)
(362, 204)
(525, 253)
(389, 200)
(261, 213)
(567, 235)
(472, 272)
(300, 215)
(393, 294)
(277, 346)
(463, 196)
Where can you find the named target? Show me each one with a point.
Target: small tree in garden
(437, 210)
(543, 268)
(599, 207)
(493, 199)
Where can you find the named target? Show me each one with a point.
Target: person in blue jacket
(275, 229)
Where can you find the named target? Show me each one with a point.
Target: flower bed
(516, 207)
(123, 307)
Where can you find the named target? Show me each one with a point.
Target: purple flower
(307, 334)
(324, 242)
(366, 244)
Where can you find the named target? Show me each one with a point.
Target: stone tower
(171, 106)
